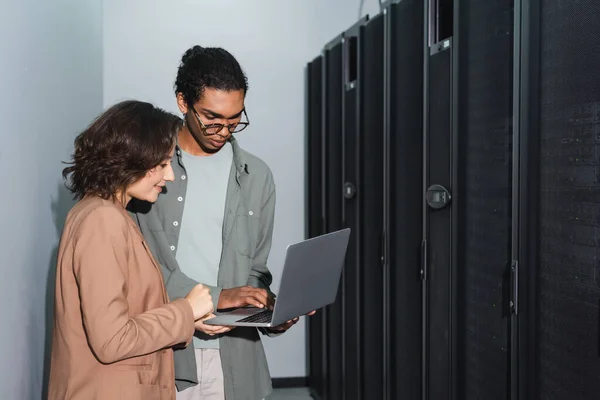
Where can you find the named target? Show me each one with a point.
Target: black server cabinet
(483, 44)
(314, 148)
(372, 92)
(438, 240)
(561, 111)
(403, 77)
(508, 205)
(353, 195)
(333, 203)
(314, 210)
(526, 195)
(468, 218)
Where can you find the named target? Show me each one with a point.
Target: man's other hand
(244, 296)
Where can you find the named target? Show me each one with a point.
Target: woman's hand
(201, 301)
(211, 330)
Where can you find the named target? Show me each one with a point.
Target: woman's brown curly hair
(119, 147)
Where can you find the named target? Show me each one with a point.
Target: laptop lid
(311, 275)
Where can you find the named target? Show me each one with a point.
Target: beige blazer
(113, 325)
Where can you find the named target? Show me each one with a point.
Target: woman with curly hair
(114, 325)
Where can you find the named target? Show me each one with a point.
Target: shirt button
(250, 212)
(180, 198)
(183, 177)
(175, 223)
(172, 248)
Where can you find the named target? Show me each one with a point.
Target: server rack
(333, 204)
(370, 242)
(500, 286)
(353, 195)
(484, 214)
(560, 105)
(403, 80)
(526, 197)
(437, 239)
(314, 211)
(371, 159)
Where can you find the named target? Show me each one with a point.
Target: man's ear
(181, 103)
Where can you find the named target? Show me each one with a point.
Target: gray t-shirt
(200, 238)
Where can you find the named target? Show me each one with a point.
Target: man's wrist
(215, 293)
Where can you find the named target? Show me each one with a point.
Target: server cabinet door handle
(438, 197)
(514, 288)
(349, 190)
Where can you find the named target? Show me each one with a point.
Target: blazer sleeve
(100, 267)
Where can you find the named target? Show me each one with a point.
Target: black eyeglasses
(214, 129)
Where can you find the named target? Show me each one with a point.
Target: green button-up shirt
(247, 235)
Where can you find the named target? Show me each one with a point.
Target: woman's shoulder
(93, 209)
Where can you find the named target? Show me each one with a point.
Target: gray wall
(50, 89)
(273, 40)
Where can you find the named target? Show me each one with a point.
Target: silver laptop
(310, 280)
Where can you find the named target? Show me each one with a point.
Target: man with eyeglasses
(214, 225)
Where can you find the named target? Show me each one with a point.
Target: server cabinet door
(404, 198)
(353, 196)
(568, 279)
(333, 202)
(439, 273)
(483, 222)
(371, 211)
(314, 147)
(314, 209)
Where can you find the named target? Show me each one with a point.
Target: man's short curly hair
(210, 67)
(119, 147)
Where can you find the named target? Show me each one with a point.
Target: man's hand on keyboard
(244, 296)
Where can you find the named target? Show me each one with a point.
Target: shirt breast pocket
(247, 227)
(154, 224)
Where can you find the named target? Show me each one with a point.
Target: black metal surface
(351, 273)
(314, 148)
(404, 188)
(371, 210)
(527, 139)
(484, 193)
(424, 270)
(333, 211)
(568, 286)
(439, 335)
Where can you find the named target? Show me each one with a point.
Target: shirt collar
(238, 156)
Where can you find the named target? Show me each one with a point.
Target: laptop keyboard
(263, 316)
